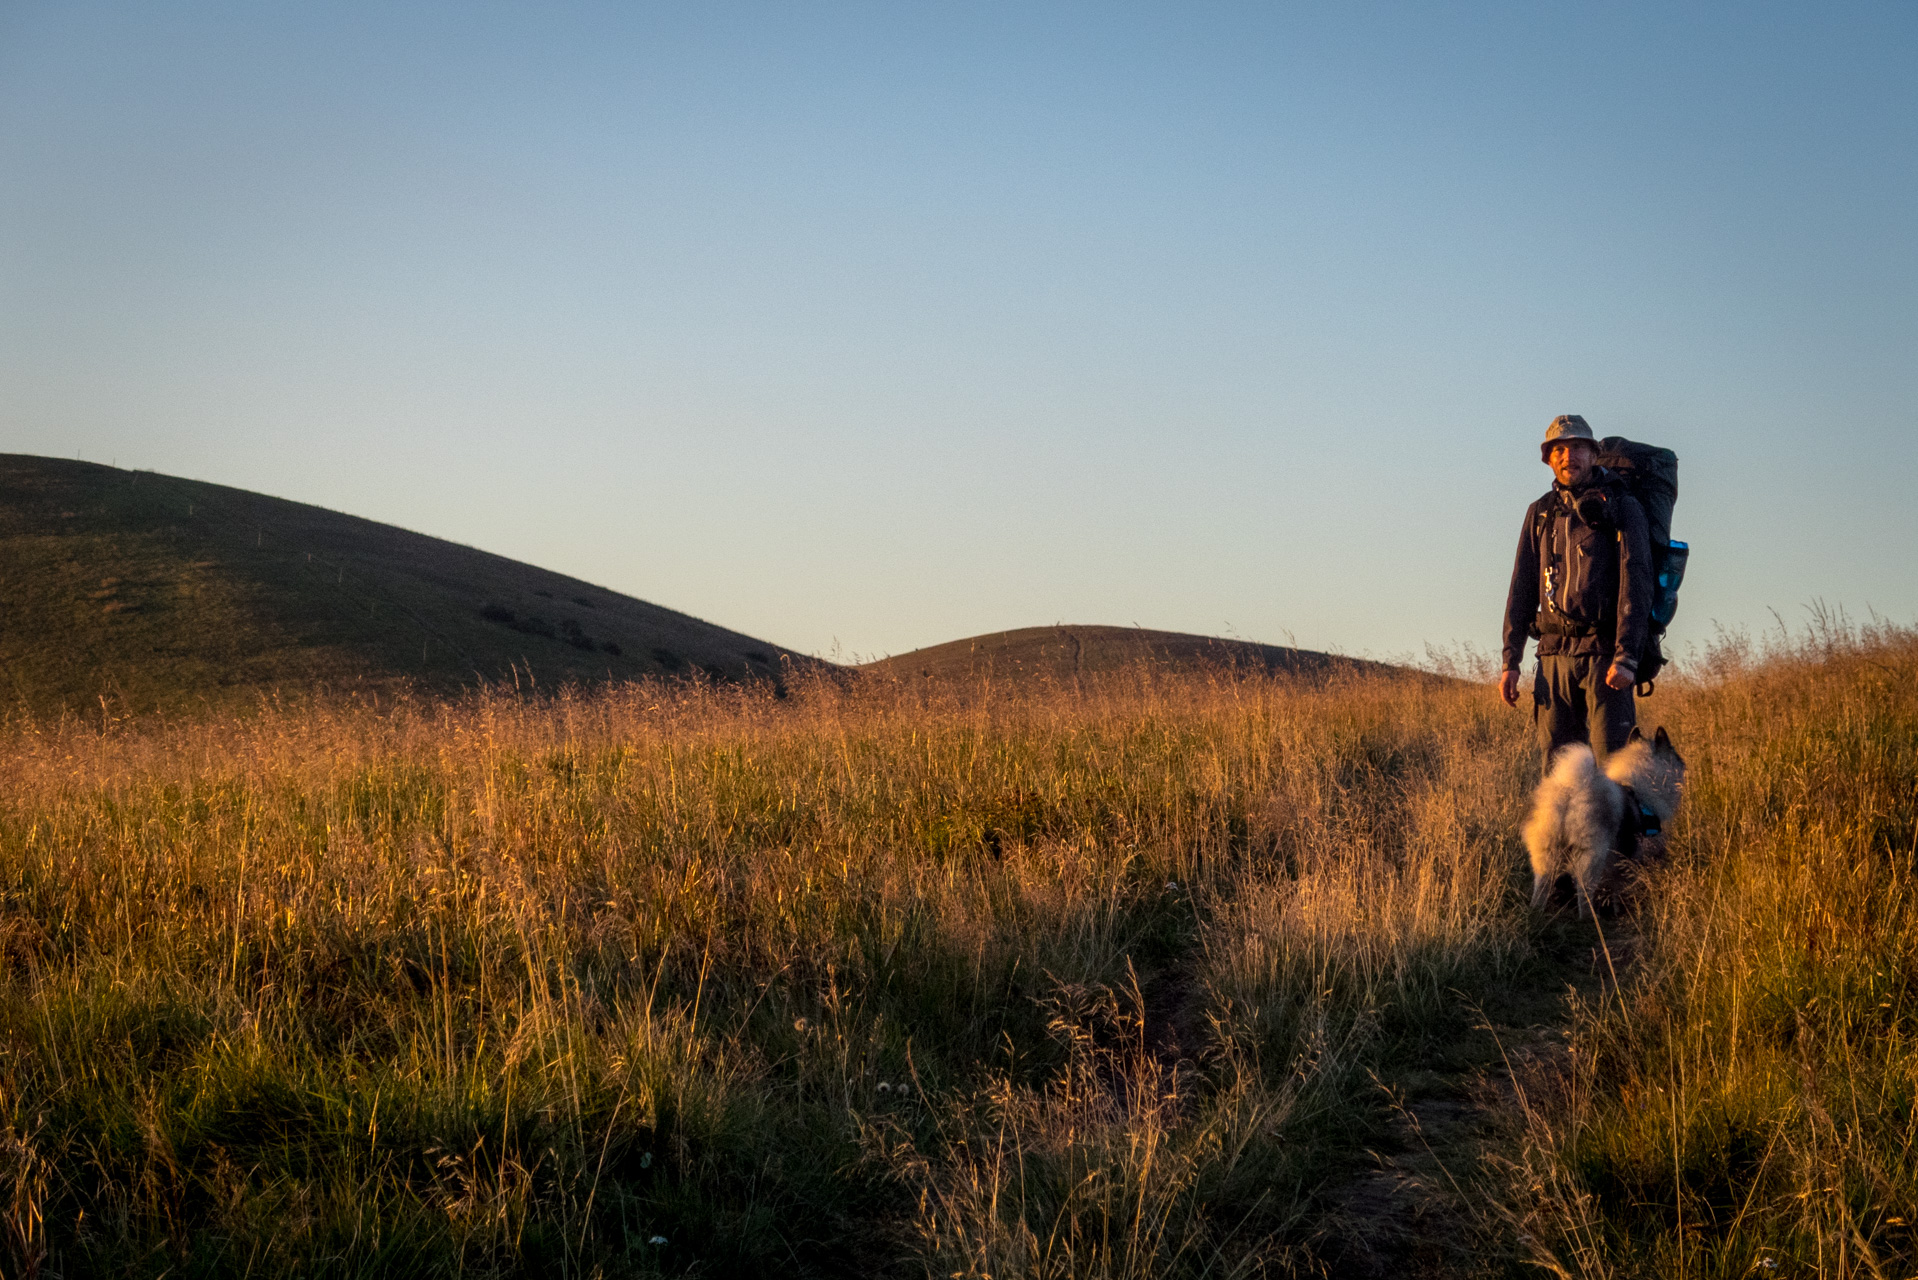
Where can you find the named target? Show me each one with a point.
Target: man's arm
(1521, 606)
(1634, 590)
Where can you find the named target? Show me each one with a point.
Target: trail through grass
(1148, 976)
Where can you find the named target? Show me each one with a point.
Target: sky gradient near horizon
(865, 327)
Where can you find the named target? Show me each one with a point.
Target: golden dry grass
(1750, 1105)
(1035, 980)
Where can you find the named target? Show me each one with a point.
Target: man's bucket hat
(1566, 426)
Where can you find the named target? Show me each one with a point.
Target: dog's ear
(1637, 735)
(1663, 739)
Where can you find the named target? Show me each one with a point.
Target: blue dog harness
(1640, 820)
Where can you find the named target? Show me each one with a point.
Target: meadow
(1136, 975)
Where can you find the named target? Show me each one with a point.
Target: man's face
(1571, 461)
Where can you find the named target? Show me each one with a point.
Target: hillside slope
(139, 592)
(1062, 652)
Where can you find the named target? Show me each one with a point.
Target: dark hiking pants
(1572, 703)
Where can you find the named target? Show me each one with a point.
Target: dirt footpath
(1425, 1208)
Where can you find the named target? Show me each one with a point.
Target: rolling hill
(137, 592)
(1062, 652)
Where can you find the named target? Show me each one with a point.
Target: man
(1582, 584)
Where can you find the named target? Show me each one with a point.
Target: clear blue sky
(882, 325)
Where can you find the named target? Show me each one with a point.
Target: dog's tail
(1546, 836)
(1573, 766)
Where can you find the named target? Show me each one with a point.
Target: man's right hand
(1508, 688)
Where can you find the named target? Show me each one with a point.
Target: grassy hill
(143, 592)
(1062, 652)
(1198, 978)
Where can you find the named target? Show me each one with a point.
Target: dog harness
(1640, 820)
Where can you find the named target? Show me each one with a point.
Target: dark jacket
(1582, 585)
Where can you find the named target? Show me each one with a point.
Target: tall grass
(1088, 980)
(1036, 980)
(1749, 1104)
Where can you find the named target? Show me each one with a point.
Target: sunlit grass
(1027, 980)
(1749, 1107)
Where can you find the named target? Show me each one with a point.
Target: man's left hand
(1618, 677)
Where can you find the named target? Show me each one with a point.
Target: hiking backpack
(1650, 474)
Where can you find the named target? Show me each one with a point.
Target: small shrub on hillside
(525, 624)
(574, 634)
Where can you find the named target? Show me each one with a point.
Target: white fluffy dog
(1581, 816)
